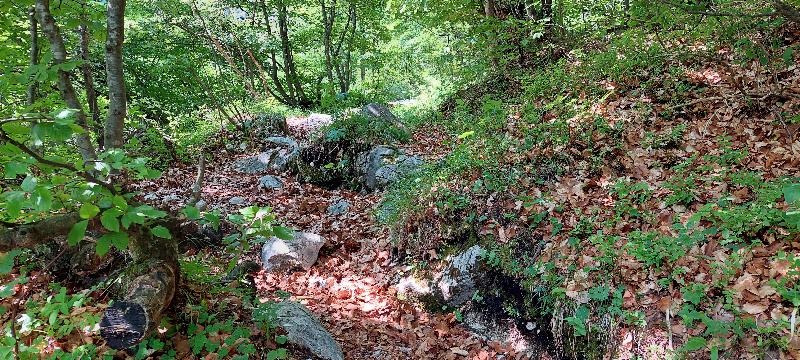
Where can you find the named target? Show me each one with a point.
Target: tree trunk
(30, 235)
(328, 19)
(33, 87)
(88, 80)
(149, 287)
(51, 30)
(117, 100)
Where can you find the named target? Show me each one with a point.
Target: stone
(458, 283)
(301, 252)
(339, 207)
(305, 333)
(270, 182)
(280, 153)
(493, 328)
(201, 205)
(383, 165)
(237, 200)
(266, 124)
(380, 112)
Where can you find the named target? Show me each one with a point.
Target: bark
(88, 82)
(53, 34)
(33, 88)
(44, 231)
(328, 19)
(117, 99)
(149, 287)
(789, 12)
(197, 187)
(489, 8)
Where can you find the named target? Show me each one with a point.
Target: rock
(411, 287)
(319, 119)
(339, 207)
(237, 200)
(505, 331)
(150, 197)
(281, 151)
(380, 112)
(201, 205)
(267, 124)
(270, 182)
(321, 163)
(286, 255)
(305, 333)
(383, 165)
(457, 283)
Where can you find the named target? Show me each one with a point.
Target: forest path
(349, 288)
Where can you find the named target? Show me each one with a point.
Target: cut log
(30, 235)
(149, 287)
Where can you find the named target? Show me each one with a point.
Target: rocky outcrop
(383, 165)
(267, 124)
(270, 182)
(459, 281)
(301, 252)
(305, 334)
(280, 153)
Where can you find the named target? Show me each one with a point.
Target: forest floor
(350, 287)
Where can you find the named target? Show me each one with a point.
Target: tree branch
(82, 173)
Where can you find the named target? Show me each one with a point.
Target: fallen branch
(149, 286)
(30, 235)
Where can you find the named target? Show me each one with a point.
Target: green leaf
(7, 260)
(162, 232)
(283, 233)
(77, 232)
(29, 184)
(88, 211)
(109, 220)
(694, 344)
(103, 245)
(14, 168)
(788, 55)
(132, 216)
(466, 134)
(191, 212)
(42, 200)
(119, 202)
(791, 193)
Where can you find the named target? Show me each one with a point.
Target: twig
(82, 173)
(198, 183)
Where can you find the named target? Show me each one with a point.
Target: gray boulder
(270, 182)
(339, 207)
(305, 333)
(493, 328)
(286, 255)
(380, 112)
(381, 166)
(280, 153)
(458, 283)
(267, 124)
(237, 200)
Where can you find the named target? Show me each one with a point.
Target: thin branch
(82, 173)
